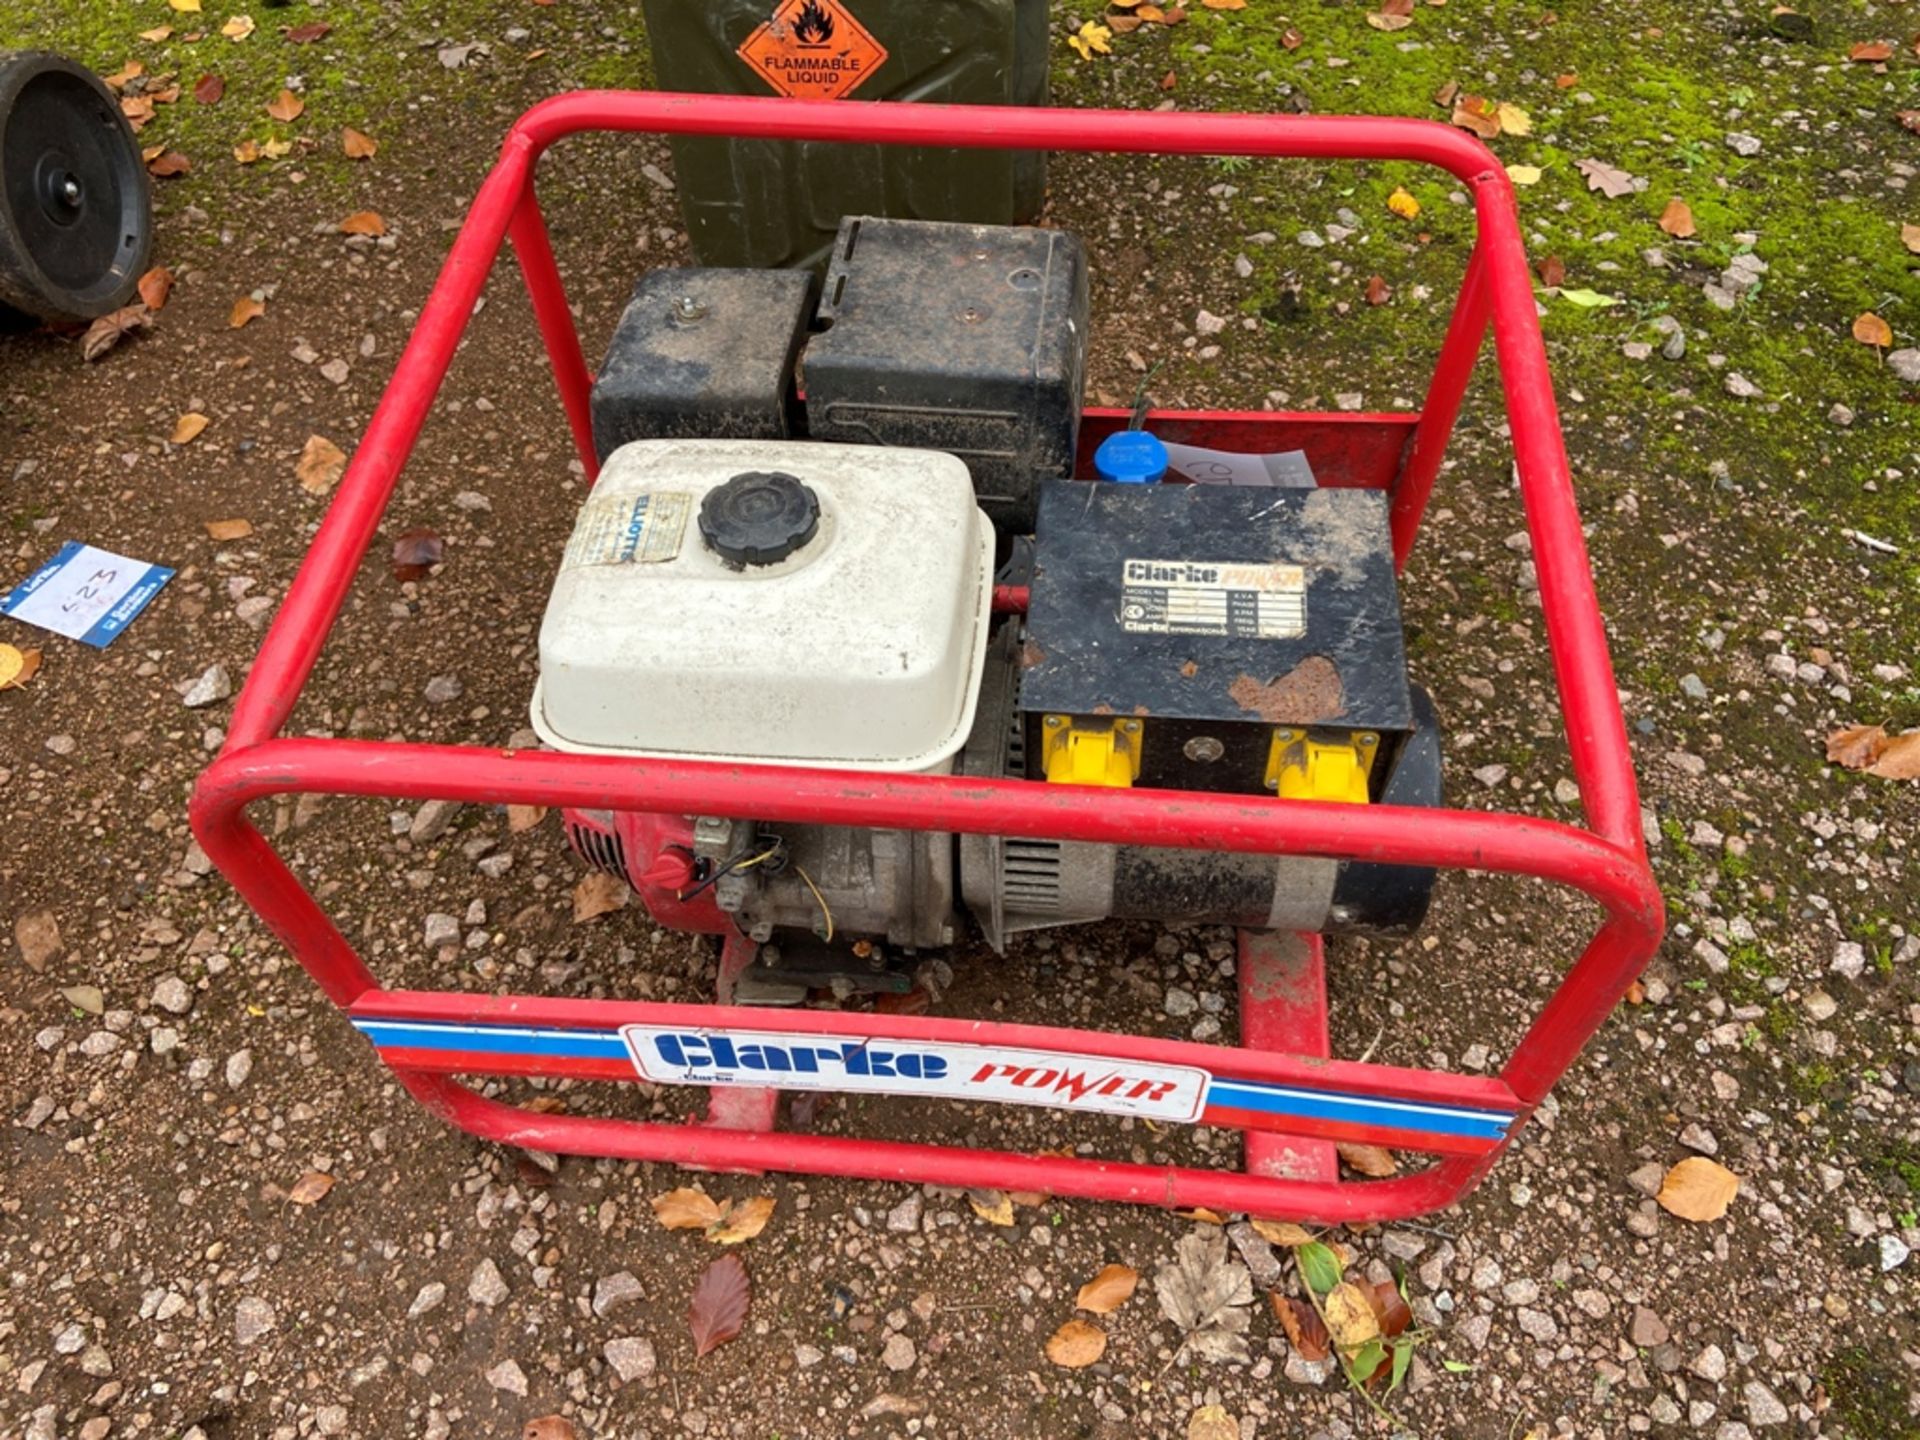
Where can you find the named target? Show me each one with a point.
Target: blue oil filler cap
(1130, 457)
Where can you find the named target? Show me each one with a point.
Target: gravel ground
(174, 1084)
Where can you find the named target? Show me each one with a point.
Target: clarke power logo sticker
(1002, 1074)
(813, 50)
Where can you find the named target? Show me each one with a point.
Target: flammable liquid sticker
(813, 50)
(628, 529)
(953, 1070)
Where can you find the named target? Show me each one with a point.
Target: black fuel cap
(759, 517)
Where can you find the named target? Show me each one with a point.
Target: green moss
(1862, 1383)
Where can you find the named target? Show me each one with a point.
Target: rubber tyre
(76, 206)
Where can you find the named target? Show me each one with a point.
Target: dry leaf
(157, 34)
(597, 894)
(521, 818)
(1306, 1331)
(274, 149)
(1566, 81)
(1108, 1290)
(550, 1427)
(1870, 329)
(138, 109)
(1224, 4)
(1443, 97)
(1698, 1189)
(363, 222)
(1291, 38)
(1206, 1293)
(229, 529)
(1901, 758)
(1283, 1233)
(17, 667)
(1211, 1422)
(1909, 119)
(168, 164)
(244, 309)
(1380, 20)
(993, 1206)
(1390, 1307)
(208, 89)
(1076, 1345)
(109, 330)
(1203, 1215)
(1404, 205)
(238, 28)
(186, 7)
(155, 286)
(246, 152)
(1871, 51)
(1091, 38)
(686, 1209)
(1369, 1160)
(320, 465)
(416, 553)
(1553, 272)
(1609, 180)
(1524, 174)
(1350, 1318)
(1378, 291)
(1677, 218)
(743, 1221)
(1481, 116)
(1123, 24)
(356, 145)
(1910, 237)
(311, 1188)
(188, 426)
(719, 1305)
(286, 107)
(1513, 120)
(308, 33)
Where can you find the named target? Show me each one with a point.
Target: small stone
(1763, 1406)
(1637, 350)
(1179, 1003)
(1718, 297)
(1675, 345)
(71, 1340)
(432, 1295)
(1840, 415)
(1538, 1325)
(806, 1356)
(658, 176)
(1207, 323)
(213, 686)
(1491, 775)
(1697, 1137)
(336, 370)
(1710, 1364)
(1906, 365)
(239, 1067)
(632, 1357)
(442, 929)
(1262, 1263)
(252, 1318)
(100, 1044)
(508, 1376)
(486, 1287)
(430, 821)
(1647, 1329)
(1894, 1252)
(1742, 144)
(172, 995)
(95, 1361)
(1301, 1371)
(60, 744)
(305, 353)
(898, 1354)
(1693, 687)
(444, 689)
(1822, 1006)
(904, 1218)
(1243, 267)
(1740, 387)
(610, 1292)
(1309, 238)
(330, 1420)
(1849, 960)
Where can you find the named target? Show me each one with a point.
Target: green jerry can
(753, 203)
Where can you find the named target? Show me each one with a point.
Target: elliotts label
(813, 50)
(997, 1073)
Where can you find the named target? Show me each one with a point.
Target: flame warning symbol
(813, 50)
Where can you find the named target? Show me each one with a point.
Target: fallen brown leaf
(1211, 1422)
(1910, 237)
(244, 309)
(109, 330)
(363, 222)
(1871, 52)
(719, 1305)
(1369, 1160)
(1698, 1189)
(1076, 1345)
(17, 667)
(157, 34)
(597, 894)
(238, 28)
(155, 286)
(168, 165)
(993, 1206)
(1224, 4)
(188, 426)
(550, 1427)
(1378, 291)
(1610, 180)
(1856, 746)
(416, 553)
(311, 1188)
(1478, 114)
(686, 1209)
(1381, 20)
(1306, 1331)
(138, 109)
(1391, 1307)
(1291, 38)
(286, 107)
(1566, 81)
(1870, 329)
(1677, 218)
(1909, 119)
(308, 33)
(246, 152)
(743, 1221)
(1553, 272)
(1283, 1233)
(356, 145)
(1900, 760)
(1350, 1318)
(1444, 96)
(1203, 1215)
(521, 818)
(229, 529)
(208, 89)
(320, 465)
(1108, 1290)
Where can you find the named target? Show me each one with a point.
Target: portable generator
(869, 631)
(777, 573)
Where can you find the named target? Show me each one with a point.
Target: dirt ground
(171, 1077)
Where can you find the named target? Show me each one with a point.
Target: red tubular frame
(1606, 861)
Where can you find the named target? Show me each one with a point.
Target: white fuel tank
(776, 600)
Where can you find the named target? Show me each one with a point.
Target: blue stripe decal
(1359, 1109)
(1229, 1094)
(494, 1039)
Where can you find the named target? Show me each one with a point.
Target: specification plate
(1204, 597)
(629, 529)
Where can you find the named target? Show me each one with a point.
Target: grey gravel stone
(444, 689)
(610, 1292)
(441, 929)
(1740, 387)
(1743, 144)
(631, 1357)
(213, 686)
(432, 1295)
(239, 1067)
(486, 1287)
(898, 1353)
(1906, 365)
(431, 820)
(252, 1318)
(173, 995)
(1763, 1406)
(1710, 1364)
(508, 1376)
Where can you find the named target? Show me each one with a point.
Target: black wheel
(76, 218)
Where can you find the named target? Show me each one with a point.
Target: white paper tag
(956, 1071)
(86, 594)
